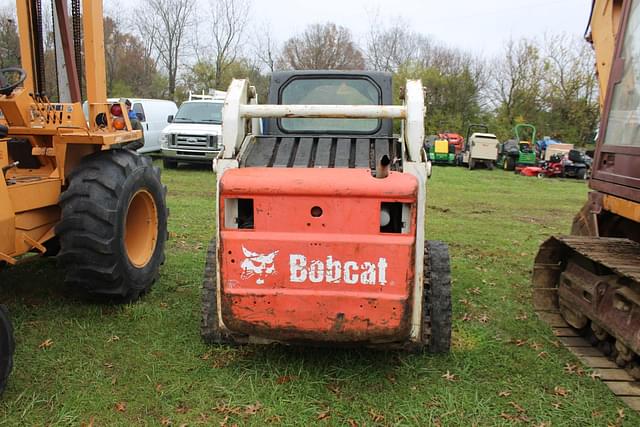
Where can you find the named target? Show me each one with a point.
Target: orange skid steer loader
(320, 229)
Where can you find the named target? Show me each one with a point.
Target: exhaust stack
(383, 167)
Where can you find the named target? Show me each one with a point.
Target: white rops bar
(241, 109)
(324, 111)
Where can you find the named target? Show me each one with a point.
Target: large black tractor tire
(114, 226)
(471, 164)
(437, 297)
(581, 173)
(7, 347)
(210, 327)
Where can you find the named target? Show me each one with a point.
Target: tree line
(167, 48)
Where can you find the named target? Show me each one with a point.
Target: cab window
(623, 123)
(330, 91)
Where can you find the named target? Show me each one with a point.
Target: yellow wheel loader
(70, 186)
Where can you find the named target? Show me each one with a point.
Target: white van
(194, 133)
(153, 115)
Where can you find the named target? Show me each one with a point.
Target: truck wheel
(210, 327)
(581, 173)
(509, 163)
(7, 347)
(114, 225)
(472, 164)
(170, 164)
(489, 164)
(437, 297)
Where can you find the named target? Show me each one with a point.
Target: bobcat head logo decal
(256, 264)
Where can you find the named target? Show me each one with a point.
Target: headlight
(164, 139)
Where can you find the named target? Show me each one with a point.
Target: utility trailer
(320, 232)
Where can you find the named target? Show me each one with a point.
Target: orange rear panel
(334, 277)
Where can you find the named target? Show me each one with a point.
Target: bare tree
(321, 46)
(227, 24)
(516, 79)
(164, 23)
(265, 47)
(387, 48)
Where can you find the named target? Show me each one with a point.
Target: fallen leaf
(535, 345)
(475, 291)
(89, 424)
(182, 409)
(206, 355)
(391, 378)
(467, 317)
(560, 391)
(543, 354)
(252, 409)
(504, 393)
(594, 375)
(556, 405)
(114, 338)
(226, 409)
(352, 422)
(164, 305)
(334, 388)
(158, 387)
(507, 416)
(275, 419)
(483, 318)
(570, 369)
(46, 343)
(165, 421)
(108, 365)
(523, 316)
(324, 415)
(596, 414)
(375, 416)
(520, 343)
(284, 379)
(464, 301)
(516, 406)
(121, 406)
(449, 376)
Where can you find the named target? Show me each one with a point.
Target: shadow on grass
(39, 284)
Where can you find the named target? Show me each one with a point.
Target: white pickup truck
(193, 135)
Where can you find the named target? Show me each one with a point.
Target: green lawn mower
(518, 153)
(441, 152)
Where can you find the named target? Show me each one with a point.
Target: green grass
(148, 357)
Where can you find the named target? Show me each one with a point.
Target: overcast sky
(475, 25)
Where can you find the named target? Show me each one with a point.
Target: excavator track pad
(588, 290)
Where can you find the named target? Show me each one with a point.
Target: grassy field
(144, 364)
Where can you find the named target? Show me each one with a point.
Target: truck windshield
(330, 91)
(623, 123)
(199, 112)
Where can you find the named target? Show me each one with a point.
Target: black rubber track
(7, 347)
(209, 327)
(437, 297)
(92, 227)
